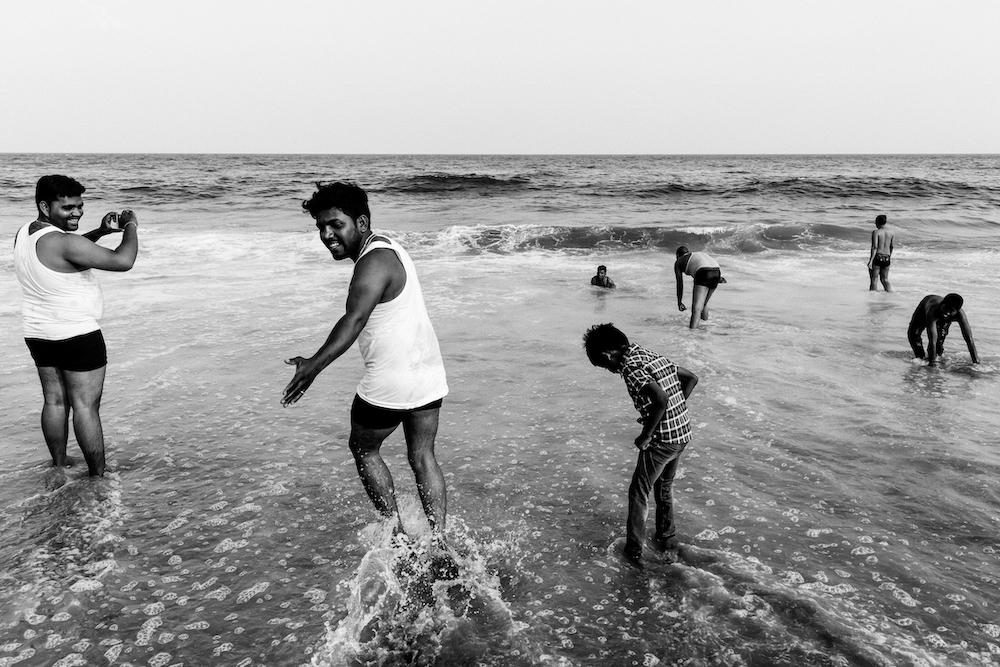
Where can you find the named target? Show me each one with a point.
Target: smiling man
(404, 381)
(61, 304)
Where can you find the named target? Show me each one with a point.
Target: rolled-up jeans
(654, 471)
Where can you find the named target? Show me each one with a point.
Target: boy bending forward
(659, 390)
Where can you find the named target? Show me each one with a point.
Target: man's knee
(54, 400)
(422, 461)
(86, 403)
(365, 441)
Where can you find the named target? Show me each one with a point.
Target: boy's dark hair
(683, 250)
(50, 188)
(880, 220)
(602, 338)
(953, 300)
(348, 197)
(601, 267)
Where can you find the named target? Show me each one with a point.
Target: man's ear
(43, 208)
(364, 223)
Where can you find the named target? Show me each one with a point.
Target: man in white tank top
(61, 304)
(707, 276)
(404, 379)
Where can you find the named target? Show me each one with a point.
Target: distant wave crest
(808, 188)
(457, 183)
(824, 188)
(736, 239)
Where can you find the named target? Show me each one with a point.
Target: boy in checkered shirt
(659, 390)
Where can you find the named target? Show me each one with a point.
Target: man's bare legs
(699, 304)
(420, 429)
(365, 444)
(85, 389)
(80, 391)
(884, 276)
(55, 413)
(879, 273)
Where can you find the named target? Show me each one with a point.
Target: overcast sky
(473, 76)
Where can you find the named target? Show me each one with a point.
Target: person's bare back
(881, 254)
(882, 240)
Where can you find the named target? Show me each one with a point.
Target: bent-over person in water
(707, 276)
(659, 390)
(935, 315)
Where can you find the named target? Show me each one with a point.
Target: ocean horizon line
(472, 155)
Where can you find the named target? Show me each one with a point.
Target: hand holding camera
(116, 222)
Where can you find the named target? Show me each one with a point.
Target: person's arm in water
(963, 322)
(657, 409)
(688, 380)
(679, 276)
(372, 276)
(871, 257)
(611, 284)
(932, 339)
(82, 253)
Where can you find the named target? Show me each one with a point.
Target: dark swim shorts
(709, 277)
(880, 260)
(375, 417)
(78, 354)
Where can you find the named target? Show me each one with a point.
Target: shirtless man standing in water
(878, 261)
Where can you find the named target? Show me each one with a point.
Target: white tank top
(403, 366)
(700, 260)
(54, 305)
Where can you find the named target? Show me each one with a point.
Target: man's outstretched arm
(963, 322)
(679, 277)
(371, 278)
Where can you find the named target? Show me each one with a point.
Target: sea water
(839, 504)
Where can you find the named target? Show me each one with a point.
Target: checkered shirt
(639, 368)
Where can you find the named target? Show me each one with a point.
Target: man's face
(601, 273)
(613, 361)
(340, 234)
(947, 312)
(64, 213)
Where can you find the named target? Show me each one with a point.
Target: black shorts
(709, 277)
(374, 417)
(79, 353)
(881, 260)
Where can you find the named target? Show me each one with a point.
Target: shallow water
(838, 506)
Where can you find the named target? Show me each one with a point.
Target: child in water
(659, 390)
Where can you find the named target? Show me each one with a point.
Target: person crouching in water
(707, 276)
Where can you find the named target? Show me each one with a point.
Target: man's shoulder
(641, 356)
(58, 240)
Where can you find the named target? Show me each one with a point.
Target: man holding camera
(61, 304)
